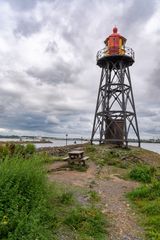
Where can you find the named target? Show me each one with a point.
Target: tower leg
(115, 112)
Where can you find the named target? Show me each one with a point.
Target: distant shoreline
(23, 142)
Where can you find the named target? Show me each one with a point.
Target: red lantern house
(115, 43)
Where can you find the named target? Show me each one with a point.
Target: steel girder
(115, 114)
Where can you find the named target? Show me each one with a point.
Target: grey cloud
(26, 27)
(154, 79)
(153, 130)
(25, 5)
(23, 122)
(153, 90)
(80, 27)
(84, 119)
(138, 12)
(22, 4)
(52, 47)
(60, 73)
(2, 109)
(146, 113)
(18, 78)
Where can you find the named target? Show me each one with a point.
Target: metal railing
(115, 51)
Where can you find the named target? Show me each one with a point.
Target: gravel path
(123, 221)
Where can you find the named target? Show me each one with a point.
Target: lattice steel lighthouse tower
(115, 114)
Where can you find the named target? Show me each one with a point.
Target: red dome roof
(115, 34)
(115, 29)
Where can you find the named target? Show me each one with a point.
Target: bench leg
(70, 162)
(83, 163)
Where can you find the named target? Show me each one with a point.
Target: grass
(147, 200)
(25, 212)
(66, 198)
(49, 159)
(78, 167)
(140, 165)
(32, 208)
(142, 173)
(89, 222)
(93, 196)
(118, 157)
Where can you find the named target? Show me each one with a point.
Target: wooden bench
(83, 160)
(66, 158)
(79, 160)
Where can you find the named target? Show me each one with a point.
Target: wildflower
(4, 220)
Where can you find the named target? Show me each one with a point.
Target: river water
(155, 147)
(57, 143)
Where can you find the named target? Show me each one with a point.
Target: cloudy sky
(48, 74)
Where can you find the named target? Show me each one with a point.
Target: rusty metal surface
(105, 52)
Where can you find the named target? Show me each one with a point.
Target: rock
(128, 237)
(59, 151)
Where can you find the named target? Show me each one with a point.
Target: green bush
(142, 173)
(139, 193)
(147, 199)
(152, 225)
(4, 152)
(19, 150)
(151, 207)
(30, 148)
(25, 212)
(10, 150)
(150, 192)
(31, 209)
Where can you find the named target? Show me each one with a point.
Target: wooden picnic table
(76, 156)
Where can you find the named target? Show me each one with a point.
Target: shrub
(152, 225)
(142, 173)
(147, 199)
(16, 150)
(151, 207)
(139, 193)
(25, 212)
(3, 152)
(150, 192)
(31, 209)
(19, 150)
(30, 148)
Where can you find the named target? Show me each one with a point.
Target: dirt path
(123, 220)
(59, 172)
(112, 189)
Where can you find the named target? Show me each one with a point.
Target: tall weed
(147, 199)
(24, 207)
(142, 173)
